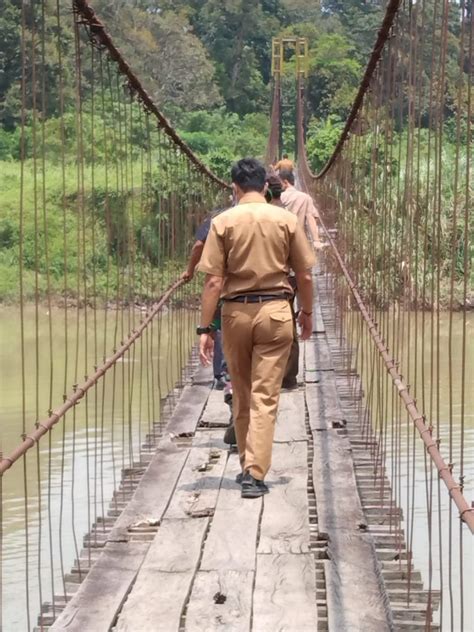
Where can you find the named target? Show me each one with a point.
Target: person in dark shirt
(201, 235)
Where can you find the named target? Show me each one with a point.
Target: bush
(321, 141)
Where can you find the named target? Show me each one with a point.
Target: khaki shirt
(299, 203)
(285, 164)
(253, 246)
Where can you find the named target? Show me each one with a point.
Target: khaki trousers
(257, 341)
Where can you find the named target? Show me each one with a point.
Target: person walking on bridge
(246, 258)
(302, 205)
(196, 252)
(284, 164)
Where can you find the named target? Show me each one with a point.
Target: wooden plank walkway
(297, 560)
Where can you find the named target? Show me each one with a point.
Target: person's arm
(313, 230)
(213, 263)
(312, 214)
(194, 259)
(304, 283)
(209, 300)
(301, 260)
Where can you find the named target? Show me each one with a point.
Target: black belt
(257, 298)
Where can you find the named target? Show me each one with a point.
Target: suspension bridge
(118, 503)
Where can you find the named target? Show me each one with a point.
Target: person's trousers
(292, 366)
(218, 358)
(257, 341)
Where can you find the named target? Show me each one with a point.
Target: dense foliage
(207, 65)
(212, 54)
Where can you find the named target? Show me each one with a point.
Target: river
(418, 352)
(71, 481)
(80, 460)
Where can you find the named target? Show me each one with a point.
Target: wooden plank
(154, 491)
(322, 400)
(351, 552)
(187, 413)
(95, 605)
(196, 492)
(355, 594)
(318, 322)
(290, 424)
(163, 583)
(232, 538)
(216, 413)
(311, 374)
(221, 600)
(227, 568)
(203, 375)
(173, 558)
(301, 362)
(337, 499)
(285, 594)
(285, 521)
(318, 354)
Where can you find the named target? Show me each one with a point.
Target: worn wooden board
(285, 594)
(337, 499)
(284, 525)
(159, 594)
(322, 400)
(318, 354)
(351, 551)
(203, 375)
(232, 539)
(101, 595)
(187, 413)
(153, 494)
(221, 600)
(196, 492)
(216, 413)
(355, 594)
(301, 362)
(311, 373)
(290, 425)
(318, 322)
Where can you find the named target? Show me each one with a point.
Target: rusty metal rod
(391, 11)
(43, 427)
(97, 29)
(466, 513)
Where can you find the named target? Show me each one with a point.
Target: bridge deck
(187, 553)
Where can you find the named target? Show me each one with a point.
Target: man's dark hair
(249, 174)
(275, 185)
(285, 156)
(286, 174)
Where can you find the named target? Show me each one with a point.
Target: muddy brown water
(82, 457)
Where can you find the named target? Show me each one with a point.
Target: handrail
(99, 33)
(43, 427)
(391, 11)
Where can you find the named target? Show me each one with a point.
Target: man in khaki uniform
(246, 259)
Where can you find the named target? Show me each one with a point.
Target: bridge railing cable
(103, 202)
(272, 153)
(398, 189)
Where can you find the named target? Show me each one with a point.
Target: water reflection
(68, 479)
(424, 348)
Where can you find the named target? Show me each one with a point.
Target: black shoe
(289, 385)
(252, 487)
(229, 436)
(219, 384)
(239, 478)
